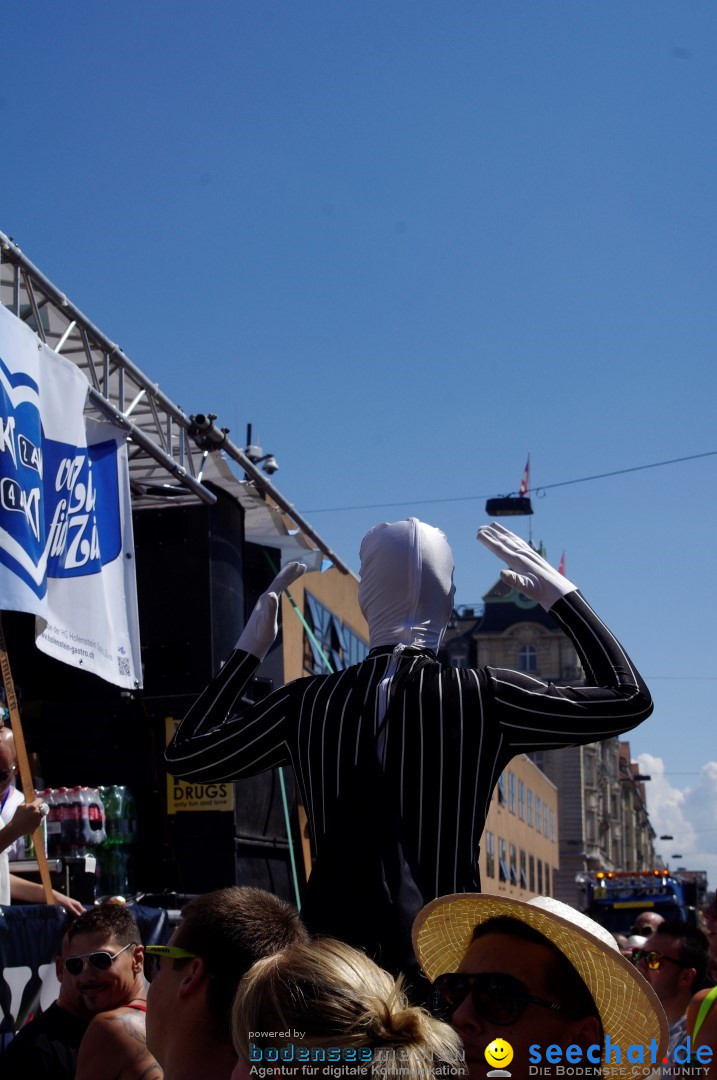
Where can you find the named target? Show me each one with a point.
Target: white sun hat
(630, 1011)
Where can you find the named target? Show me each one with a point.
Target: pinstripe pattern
(443, 750)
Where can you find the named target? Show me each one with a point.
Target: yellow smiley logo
(499, 1053)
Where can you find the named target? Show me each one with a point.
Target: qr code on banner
(123, 665)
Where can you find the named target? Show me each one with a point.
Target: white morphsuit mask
(406, 590)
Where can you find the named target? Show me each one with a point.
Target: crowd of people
(241, 989)
(398, 966)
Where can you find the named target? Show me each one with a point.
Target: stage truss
(171, 455)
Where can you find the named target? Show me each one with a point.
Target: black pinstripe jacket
(444, 745)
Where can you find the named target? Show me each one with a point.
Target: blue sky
(412, 242)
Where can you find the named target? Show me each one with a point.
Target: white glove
(529, 573)
(258, 635)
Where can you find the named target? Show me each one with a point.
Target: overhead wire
(536, 490)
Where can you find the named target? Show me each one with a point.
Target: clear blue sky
(411, 242)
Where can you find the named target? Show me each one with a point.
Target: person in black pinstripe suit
(451, 731)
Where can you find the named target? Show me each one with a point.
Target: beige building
(323, 630)
(519, 847)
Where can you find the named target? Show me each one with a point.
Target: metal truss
(168, 450)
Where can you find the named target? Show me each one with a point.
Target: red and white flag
(525, 480)
(561, 565)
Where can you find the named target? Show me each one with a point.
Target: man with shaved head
(46, 1048)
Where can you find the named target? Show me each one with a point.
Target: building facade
(637, 837)
(519, 847)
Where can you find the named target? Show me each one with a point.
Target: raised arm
(27, 818)
(219, 739)
(537, 714)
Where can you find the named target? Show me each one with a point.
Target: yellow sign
(184, 795)
(642, 904)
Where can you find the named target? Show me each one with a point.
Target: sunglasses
(154, 954)
(653, 958)
(499, 999)
(102, 961)
(5, 774)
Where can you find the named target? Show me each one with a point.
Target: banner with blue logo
(66, 546)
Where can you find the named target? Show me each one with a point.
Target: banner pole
(23, 764)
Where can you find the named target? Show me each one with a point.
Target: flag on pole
(561, 565)
(66, 546)
(525, 480)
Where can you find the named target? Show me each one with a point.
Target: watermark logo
(498, 1054)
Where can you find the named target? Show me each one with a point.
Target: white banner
(66, 548)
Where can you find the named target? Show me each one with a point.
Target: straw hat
(629, 1009)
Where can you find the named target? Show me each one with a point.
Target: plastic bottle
(129, 819)
(113, 870)
(78, 814)
(114, 809)
(54, 823)
(96, 833)
(63, 801)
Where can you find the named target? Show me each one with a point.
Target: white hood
(406, 590)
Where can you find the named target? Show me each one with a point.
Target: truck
(615, 897)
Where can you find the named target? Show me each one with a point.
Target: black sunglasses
(103, 961)
(5, 774)
(500, 999)
(653, 958)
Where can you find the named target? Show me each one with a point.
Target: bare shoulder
(114, 1048)
(708, 1030)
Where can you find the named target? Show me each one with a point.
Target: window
(458, 655)
(547, 880)
(501, 788)
(511, 792)
(513, 866)
(588, 767)
(531, 872)
(490, 854)
(530, 807)
(523, 874)
(527, 659)
(546, 821)
(356, 648)
(540, 877)
(538, 813)
(504, 874)
(327, 641)
(552, 825)
(521, 800)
